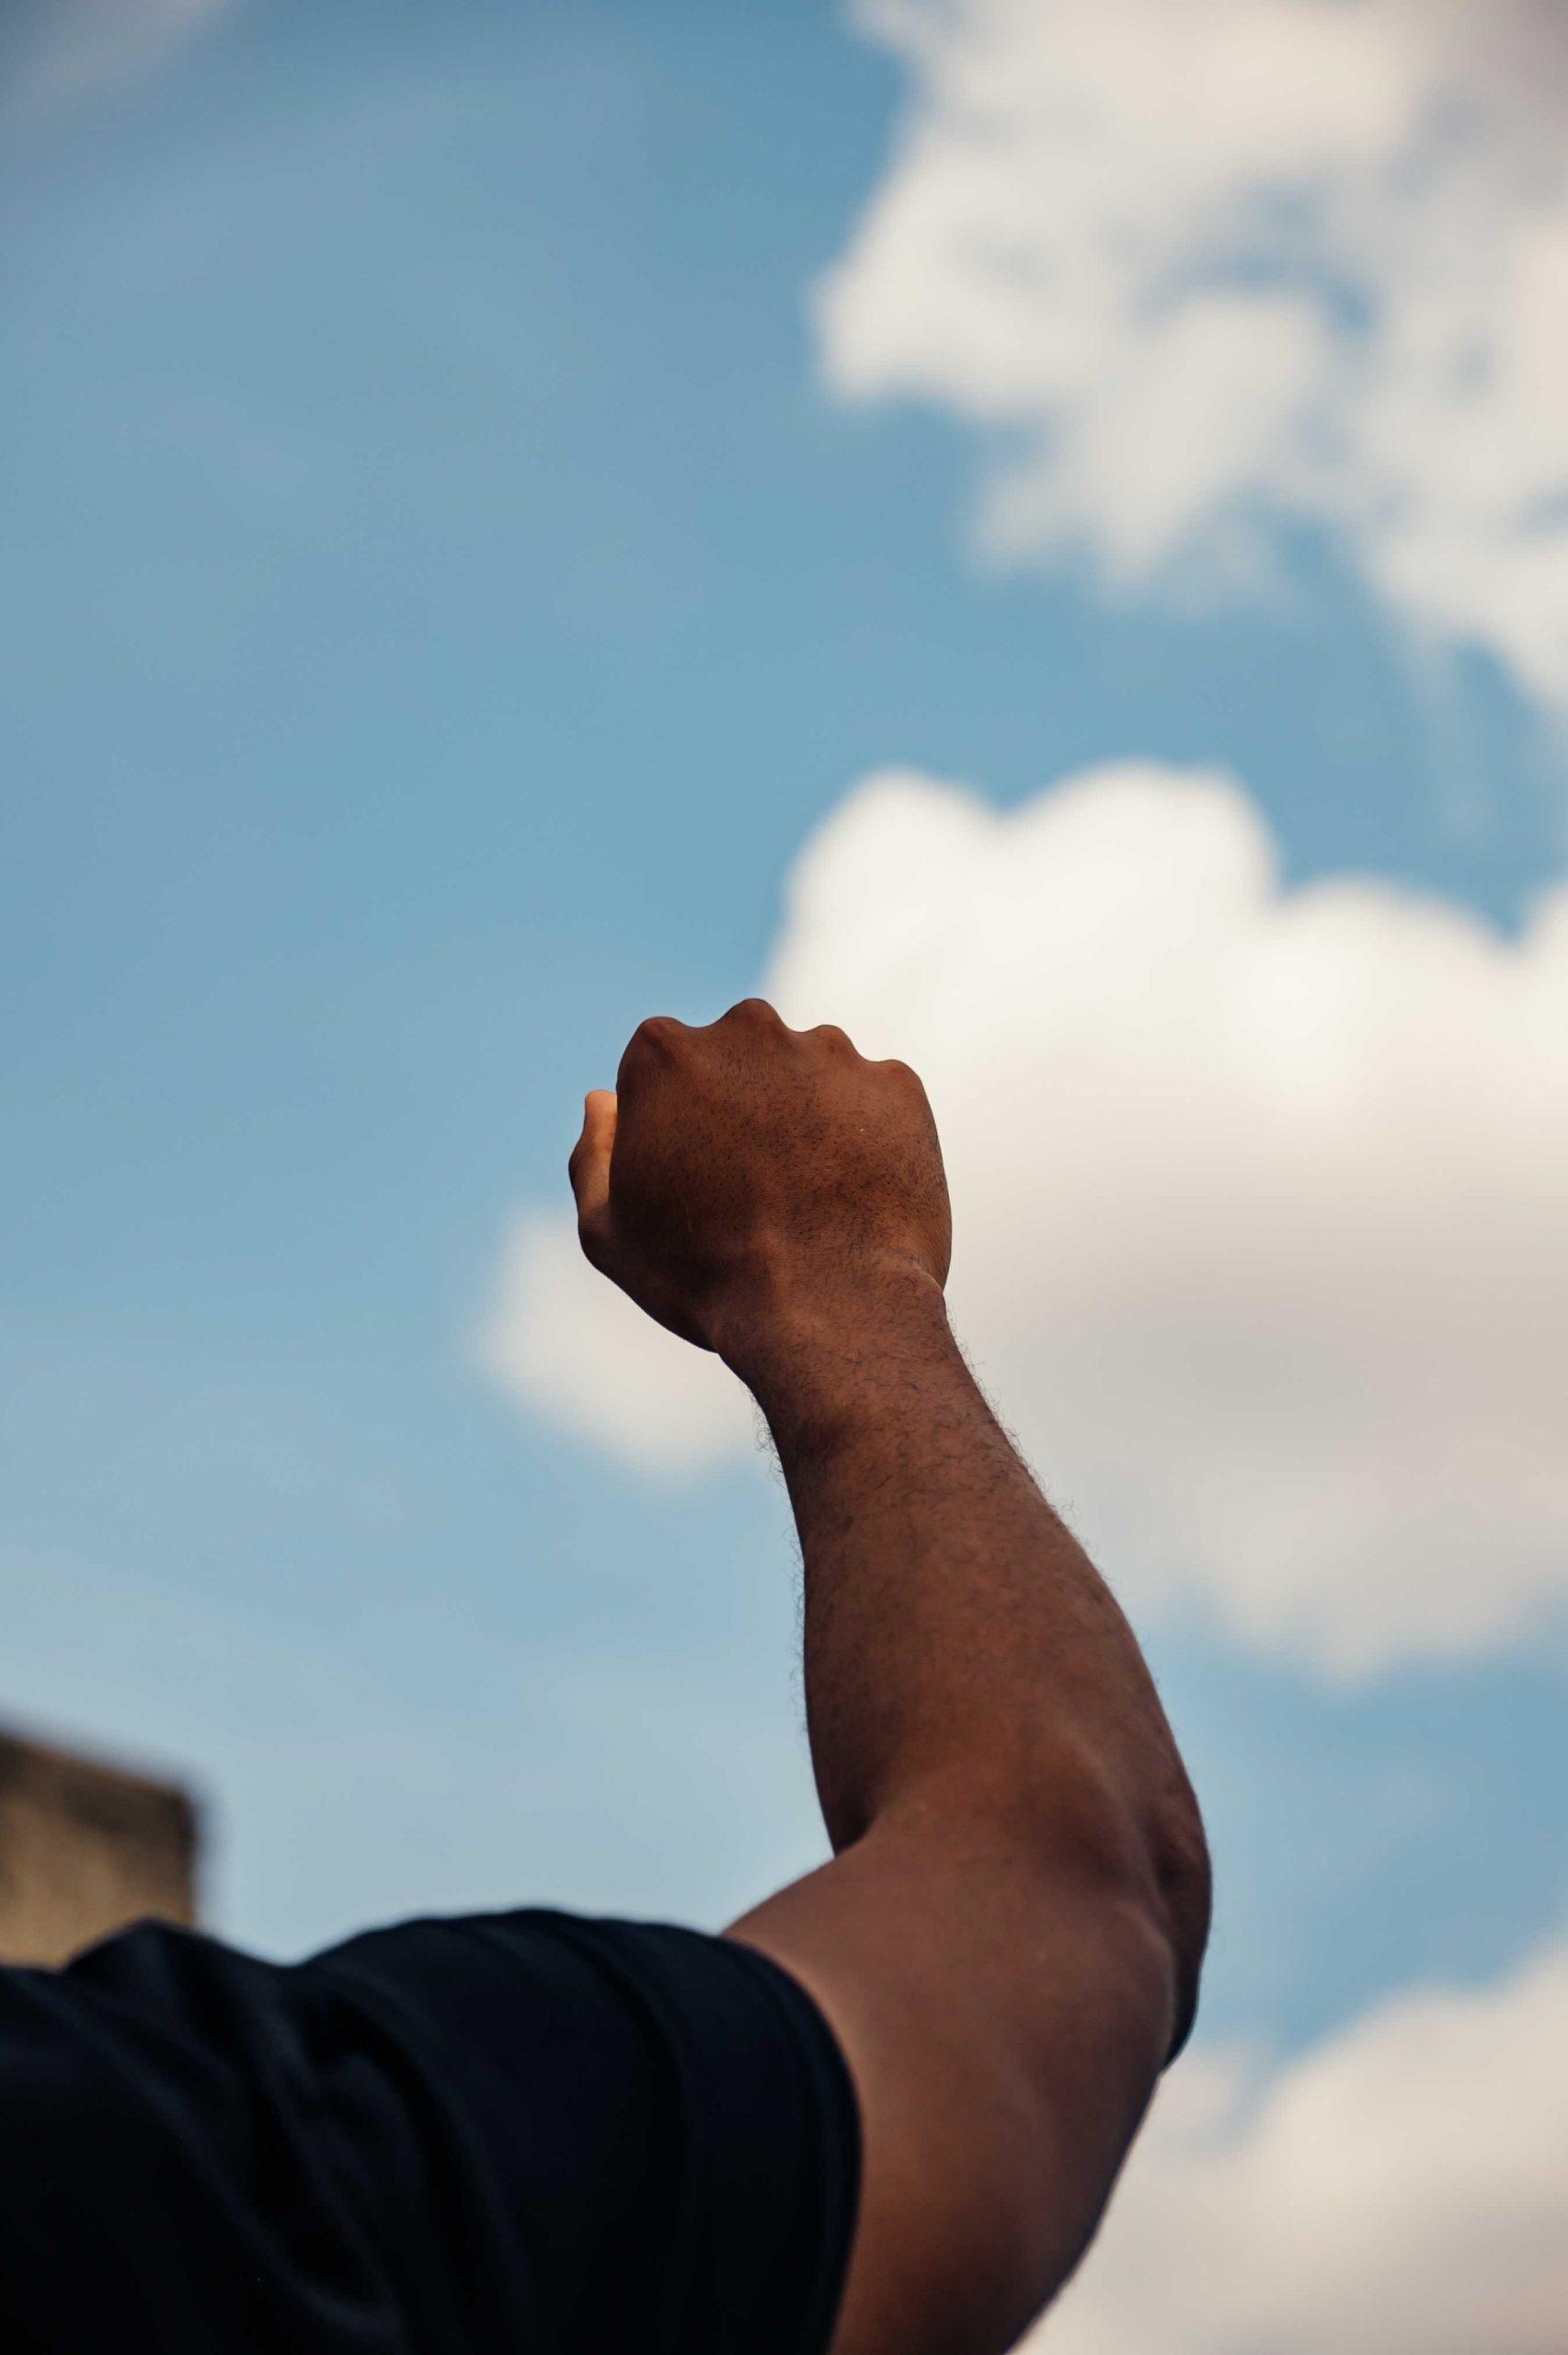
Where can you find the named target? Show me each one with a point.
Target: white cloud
(1399, 2187)
(1212, 263)
(576, 1350)
(65, 46)
(1259, 1198)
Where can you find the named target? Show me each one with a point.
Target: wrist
(824, 1338)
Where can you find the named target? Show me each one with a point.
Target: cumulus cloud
(577, 1350)
(1200, 268)
(55, 48)
(1399, 2187)
(1259, 1201)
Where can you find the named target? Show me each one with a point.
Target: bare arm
(1007, 1940)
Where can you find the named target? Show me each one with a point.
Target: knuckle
(905, 1077)
(752, 1009)
(833, 1035)
(655, 1036)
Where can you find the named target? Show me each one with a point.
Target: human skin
(1008, 1938)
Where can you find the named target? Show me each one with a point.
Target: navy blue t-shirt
(523, 2134)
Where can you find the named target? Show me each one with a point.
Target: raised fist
(743, 1171)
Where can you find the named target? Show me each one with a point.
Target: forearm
(960, 1650)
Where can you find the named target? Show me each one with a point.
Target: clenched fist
(743, 1171)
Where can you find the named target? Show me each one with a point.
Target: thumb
(589, 1167)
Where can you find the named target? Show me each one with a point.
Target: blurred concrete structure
(85, 1848)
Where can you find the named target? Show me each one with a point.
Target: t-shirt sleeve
(538, 2131)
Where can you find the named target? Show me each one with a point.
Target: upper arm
(1004, 2021)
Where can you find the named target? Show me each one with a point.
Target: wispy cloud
(55, 49)
(1197, 268)
(1258, 1196)
(1400, 2185)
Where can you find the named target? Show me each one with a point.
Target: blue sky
(441, 596)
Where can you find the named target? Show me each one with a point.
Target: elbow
(1140, 1841)
(1156, 1855)
(1120, 1838)
(1181, 1876)
(1152, 1876)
